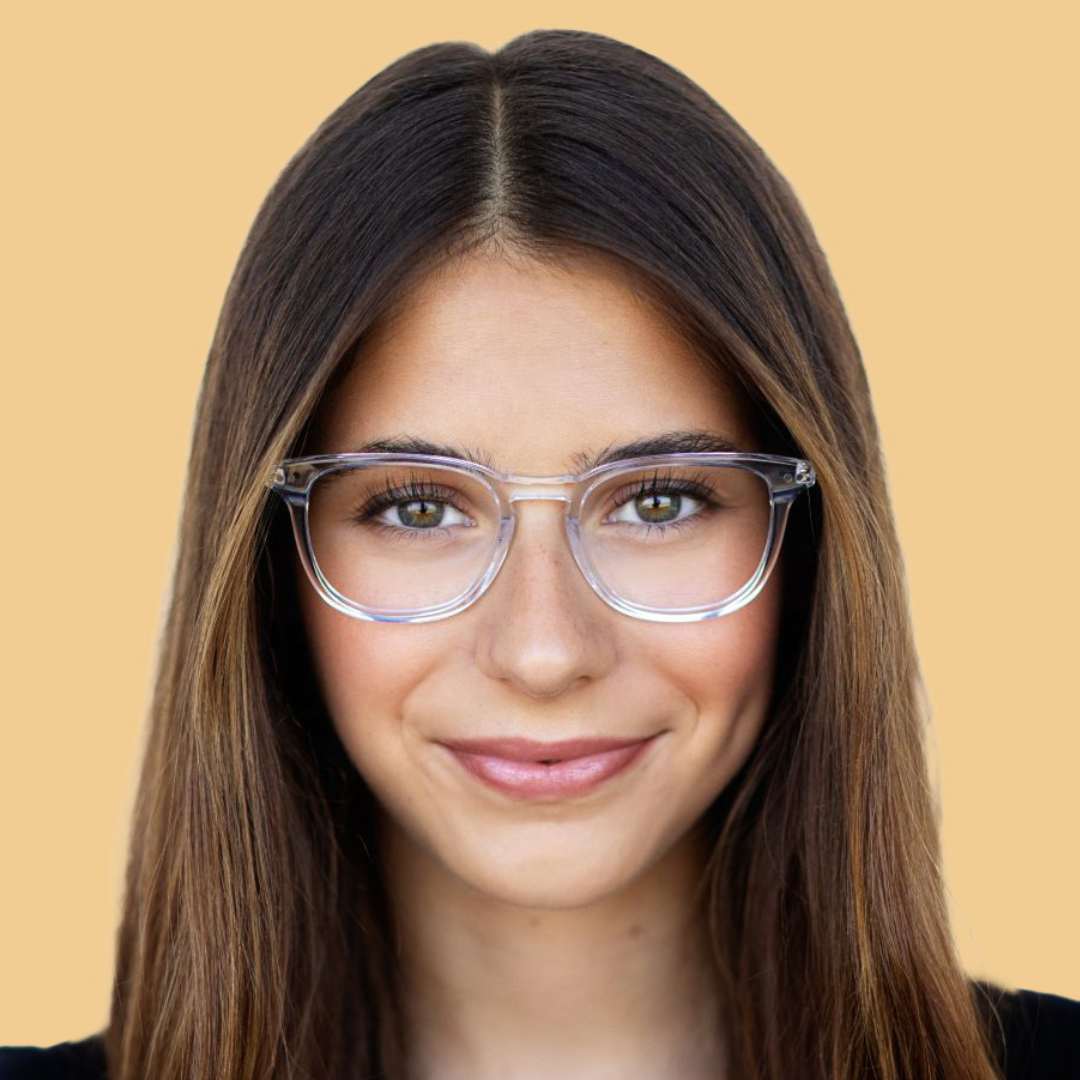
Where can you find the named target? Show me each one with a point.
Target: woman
(446, 782)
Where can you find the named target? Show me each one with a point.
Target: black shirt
(1041, 1037)
(1041, 1034)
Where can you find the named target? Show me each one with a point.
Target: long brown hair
(256, 939)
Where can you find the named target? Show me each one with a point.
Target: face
(534, 366)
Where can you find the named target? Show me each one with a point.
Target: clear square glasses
(402, 537)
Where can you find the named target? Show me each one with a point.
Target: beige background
(930, 144)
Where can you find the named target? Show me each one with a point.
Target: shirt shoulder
(1036, 1034)
(83, 1059)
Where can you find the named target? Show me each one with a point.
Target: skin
(555, 939)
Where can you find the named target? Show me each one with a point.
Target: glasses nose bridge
(541, 491)
(557, 489)
(539, 488)
(548, 496)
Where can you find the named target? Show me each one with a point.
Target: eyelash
(414, 491)
(410, 492)
(696, 489)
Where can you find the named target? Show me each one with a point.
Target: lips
(519, 749)
(527, 769)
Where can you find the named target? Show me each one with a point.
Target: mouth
(526, 768)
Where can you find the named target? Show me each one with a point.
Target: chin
(552, 884)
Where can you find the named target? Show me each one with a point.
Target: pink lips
(517, 766)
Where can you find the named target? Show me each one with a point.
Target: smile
(547, 776)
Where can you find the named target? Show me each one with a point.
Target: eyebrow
(667, 442)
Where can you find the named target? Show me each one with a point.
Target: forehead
(532, 365)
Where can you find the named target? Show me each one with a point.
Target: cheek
(726, 668)
(729, 658)
(362, 668)
(365, 672)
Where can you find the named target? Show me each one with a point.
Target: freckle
(635, 930)
(534, 920)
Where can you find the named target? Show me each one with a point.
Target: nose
(542, 628)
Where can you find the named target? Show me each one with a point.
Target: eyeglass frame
(785, 477)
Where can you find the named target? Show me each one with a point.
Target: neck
(496, 988)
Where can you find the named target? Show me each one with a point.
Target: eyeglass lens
(409, 536)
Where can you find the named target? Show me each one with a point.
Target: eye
(417, 513)
(661, 503)
(412, 507)
(655, 508)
